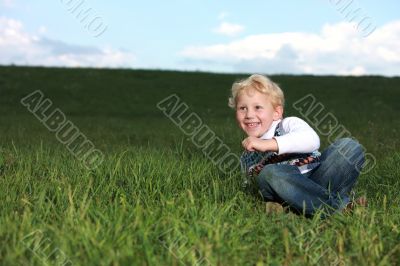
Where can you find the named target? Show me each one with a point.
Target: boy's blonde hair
(261, 84)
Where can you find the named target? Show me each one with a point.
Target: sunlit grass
(156, 199)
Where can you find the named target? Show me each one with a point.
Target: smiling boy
(282, 153)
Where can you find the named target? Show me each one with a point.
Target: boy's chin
(253, 134)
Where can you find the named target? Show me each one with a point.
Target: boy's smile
(255, 113)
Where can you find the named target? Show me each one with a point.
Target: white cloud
(229, 29)
(42, 30)
(7, 3)
(22, 48)
(337, 49)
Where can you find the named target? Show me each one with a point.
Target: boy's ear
(278, 112)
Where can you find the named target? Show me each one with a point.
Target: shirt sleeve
(297, 137)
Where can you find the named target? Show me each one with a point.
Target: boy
(282, 153)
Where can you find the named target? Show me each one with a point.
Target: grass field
(157, 199)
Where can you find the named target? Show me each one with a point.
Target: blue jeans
(326, 187)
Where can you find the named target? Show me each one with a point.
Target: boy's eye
(242, 108)
(258, 107)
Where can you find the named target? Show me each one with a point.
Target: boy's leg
(341, 164)
(286, 183)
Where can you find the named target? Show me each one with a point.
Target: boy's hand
(257, 144)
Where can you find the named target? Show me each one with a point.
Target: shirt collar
(271, 131)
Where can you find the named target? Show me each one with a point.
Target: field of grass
(157, 199)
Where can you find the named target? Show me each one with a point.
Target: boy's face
(255, 113)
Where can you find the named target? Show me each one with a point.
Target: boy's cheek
(240, 126)
(237, 116)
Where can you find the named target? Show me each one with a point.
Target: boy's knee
(267, 180)
(272, 173)
(346, 143)
(268, 171)
(350, 150)
(265, 175)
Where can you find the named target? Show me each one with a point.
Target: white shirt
(297, 136)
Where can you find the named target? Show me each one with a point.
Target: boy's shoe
(359, 202)
(273, 207)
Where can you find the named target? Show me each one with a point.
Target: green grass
(157, 199)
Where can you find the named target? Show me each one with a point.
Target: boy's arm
(257, 144)
(299, 137)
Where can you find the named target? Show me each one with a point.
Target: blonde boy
(282, 153)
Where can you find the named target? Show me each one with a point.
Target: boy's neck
(271, 130)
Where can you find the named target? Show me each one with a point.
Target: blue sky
(312, 36)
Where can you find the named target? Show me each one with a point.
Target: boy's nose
(249, 113)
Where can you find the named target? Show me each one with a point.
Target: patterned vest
(253, 162)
